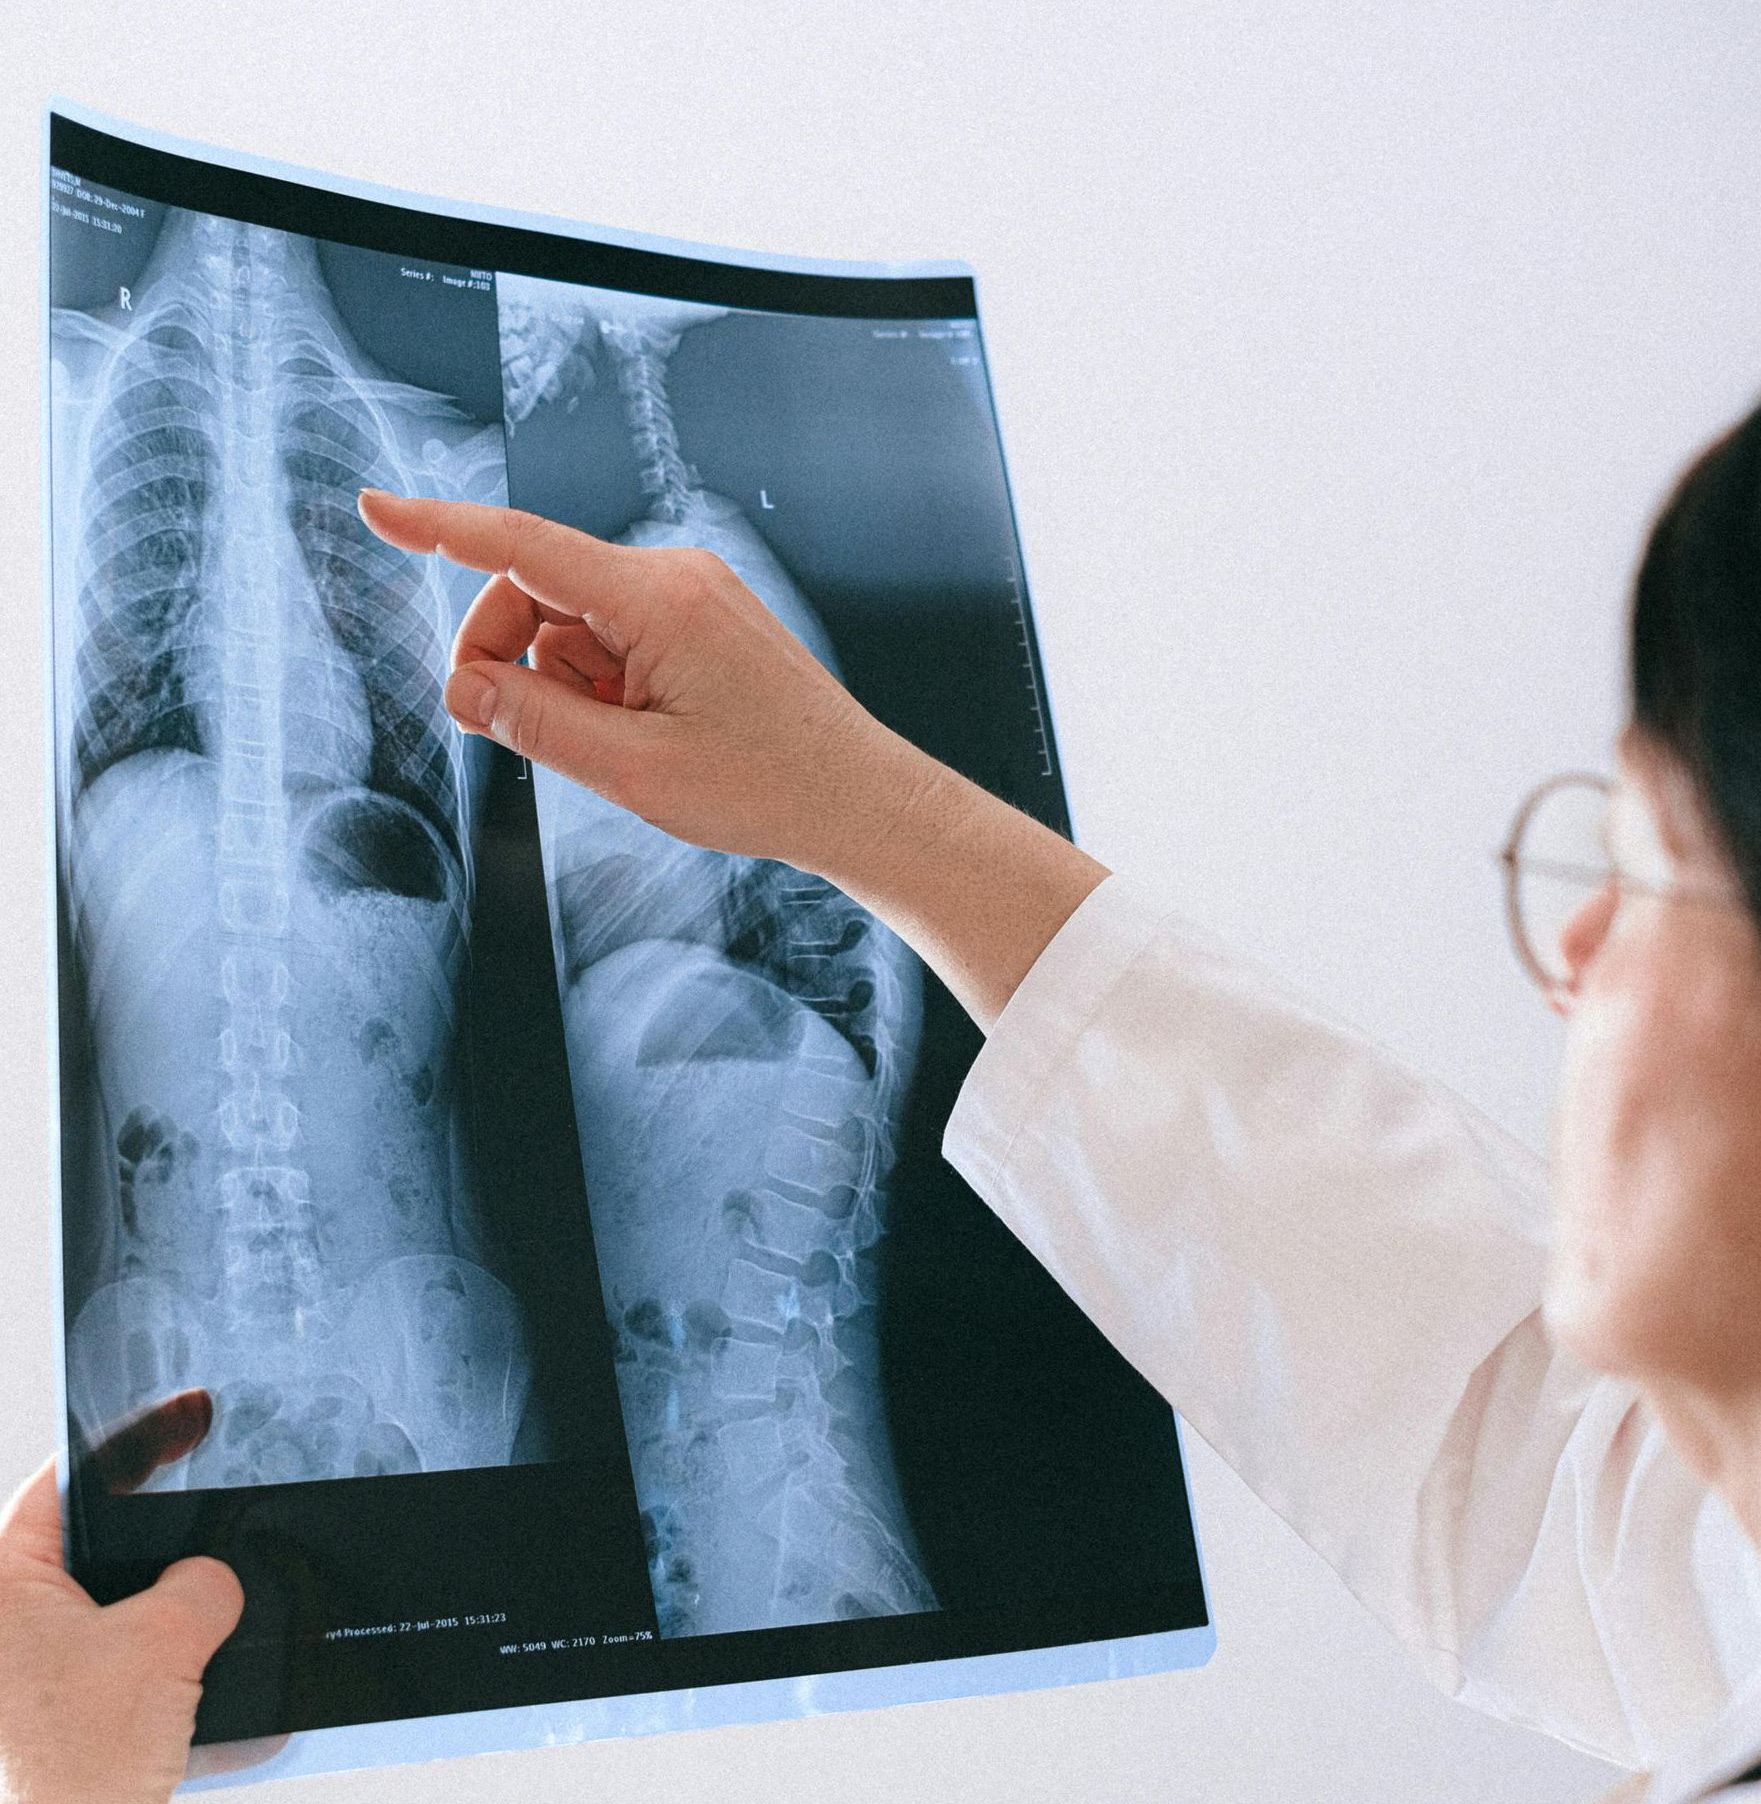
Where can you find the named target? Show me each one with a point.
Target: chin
(1582, 1316)
(1629, 1320)
(1568, 1320)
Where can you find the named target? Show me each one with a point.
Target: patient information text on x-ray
(553, 1211)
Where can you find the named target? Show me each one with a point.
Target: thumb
(187, 1613)
(551, 722)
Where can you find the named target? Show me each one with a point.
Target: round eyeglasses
(1558, 855)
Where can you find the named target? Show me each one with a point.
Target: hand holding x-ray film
(530, 1138)
(657, 678)
(107, 1716)
(665, 685)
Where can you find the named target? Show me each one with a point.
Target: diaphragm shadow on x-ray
(783, 1310)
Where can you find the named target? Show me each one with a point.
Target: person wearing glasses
(1532, 1449)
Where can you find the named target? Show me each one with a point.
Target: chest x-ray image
(267, 879)
(555, 1212)
(740, 1037)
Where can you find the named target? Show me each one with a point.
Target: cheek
(1602, 1283)
(1657, 1173)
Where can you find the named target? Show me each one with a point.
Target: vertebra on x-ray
(269, 876)
(741, 1038)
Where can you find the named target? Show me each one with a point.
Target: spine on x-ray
(744, 1316)
(642, 349)
(233, 607)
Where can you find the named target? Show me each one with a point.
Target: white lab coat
(1332, 1269)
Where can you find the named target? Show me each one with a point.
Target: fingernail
(195, 1413)
(470, 698)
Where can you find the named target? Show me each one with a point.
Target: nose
(1579, 941)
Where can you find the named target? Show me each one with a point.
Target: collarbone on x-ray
(268, 873)
(741, 1039)
(555, 1211)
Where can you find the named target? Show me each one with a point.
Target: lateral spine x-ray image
(741, 1037)
(267, 871)
(556, 1212)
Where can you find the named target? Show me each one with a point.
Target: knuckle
(527, 530)
(524, 729)
(704, 569)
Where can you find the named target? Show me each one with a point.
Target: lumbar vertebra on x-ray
(268, 864)
(741, 1038)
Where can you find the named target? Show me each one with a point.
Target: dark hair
(1696, 640)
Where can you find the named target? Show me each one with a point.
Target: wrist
(888, 804)
(975, 887)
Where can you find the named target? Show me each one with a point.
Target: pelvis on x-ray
(741, 1038)
(266, 869)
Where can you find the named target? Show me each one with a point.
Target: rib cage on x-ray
(267, 871)
(741, 1038)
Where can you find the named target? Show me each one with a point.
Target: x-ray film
(552, 1211)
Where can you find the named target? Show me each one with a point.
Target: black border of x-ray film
(285, 1676)
(156, 174)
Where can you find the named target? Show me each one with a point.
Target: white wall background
(1342, 348)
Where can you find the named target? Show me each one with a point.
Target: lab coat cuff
(1039, 1026)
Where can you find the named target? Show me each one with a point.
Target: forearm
(975, 887)
(662, 682)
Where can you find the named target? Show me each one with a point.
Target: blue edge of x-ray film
(590, 1719)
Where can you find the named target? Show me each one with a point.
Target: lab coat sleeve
(1332, 1269)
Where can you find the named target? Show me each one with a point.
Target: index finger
(570, 571)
